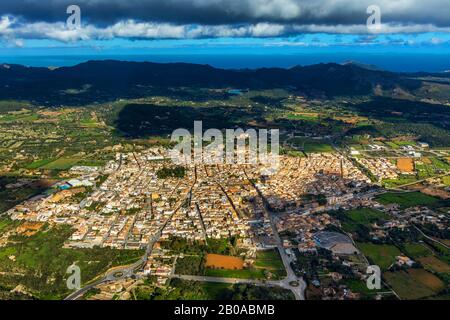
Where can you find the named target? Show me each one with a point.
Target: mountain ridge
(110, 79)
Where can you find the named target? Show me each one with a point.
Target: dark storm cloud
(219, 12)
(194, 19)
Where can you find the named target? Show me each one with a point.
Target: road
(430, 238)
(299, 289)
(268, 283)
(300, 286)
(118, 273)
(423, 180)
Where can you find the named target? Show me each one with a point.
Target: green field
(405, 142)
(90, 123)
(406, 200)
(359, 221)
(446, 180)
(303, 116)
(271, 261)
(440, 297)
(312, 146)
(381, 255)
(19, 118)
(267, 261)
(437, 166)
(391, 144)
(401, 180)
(39, 163)
(7, 224)
(367, 216)
(240, 274)
(61, 164)
(359, 286)
(417, 250)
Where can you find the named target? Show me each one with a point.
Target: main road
(292, 282)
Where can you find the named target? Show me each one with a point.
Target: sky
(224, 27)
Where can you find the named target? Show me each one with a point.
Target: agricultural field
(381, 255)
(392, 144)
(61, 164)
(268, 264)
(359, 221)
(367, 216)
(217, 261)
(53, 140)
(417, 250)
(431, 166)
(303, 116)
(39, 163)
(446, 180)
(414, 283)
(270, 260)
(399, 181)
(406, 200)
(405, 164)
(311, 146)
(435, 264)
(251, 273)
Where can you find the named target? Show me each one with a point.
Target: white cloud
(5, 23)
(435, 40)
(11, 29)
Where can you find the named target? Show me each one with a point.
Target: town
(141, 201)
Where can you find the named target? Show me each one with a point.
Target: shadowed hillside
(96, 81)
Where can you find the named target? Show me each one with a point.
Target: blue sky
(420, 43)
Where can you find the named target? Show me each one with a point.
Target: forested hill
(109, 79)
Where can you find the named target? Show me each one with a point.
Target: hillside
(95, 81)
